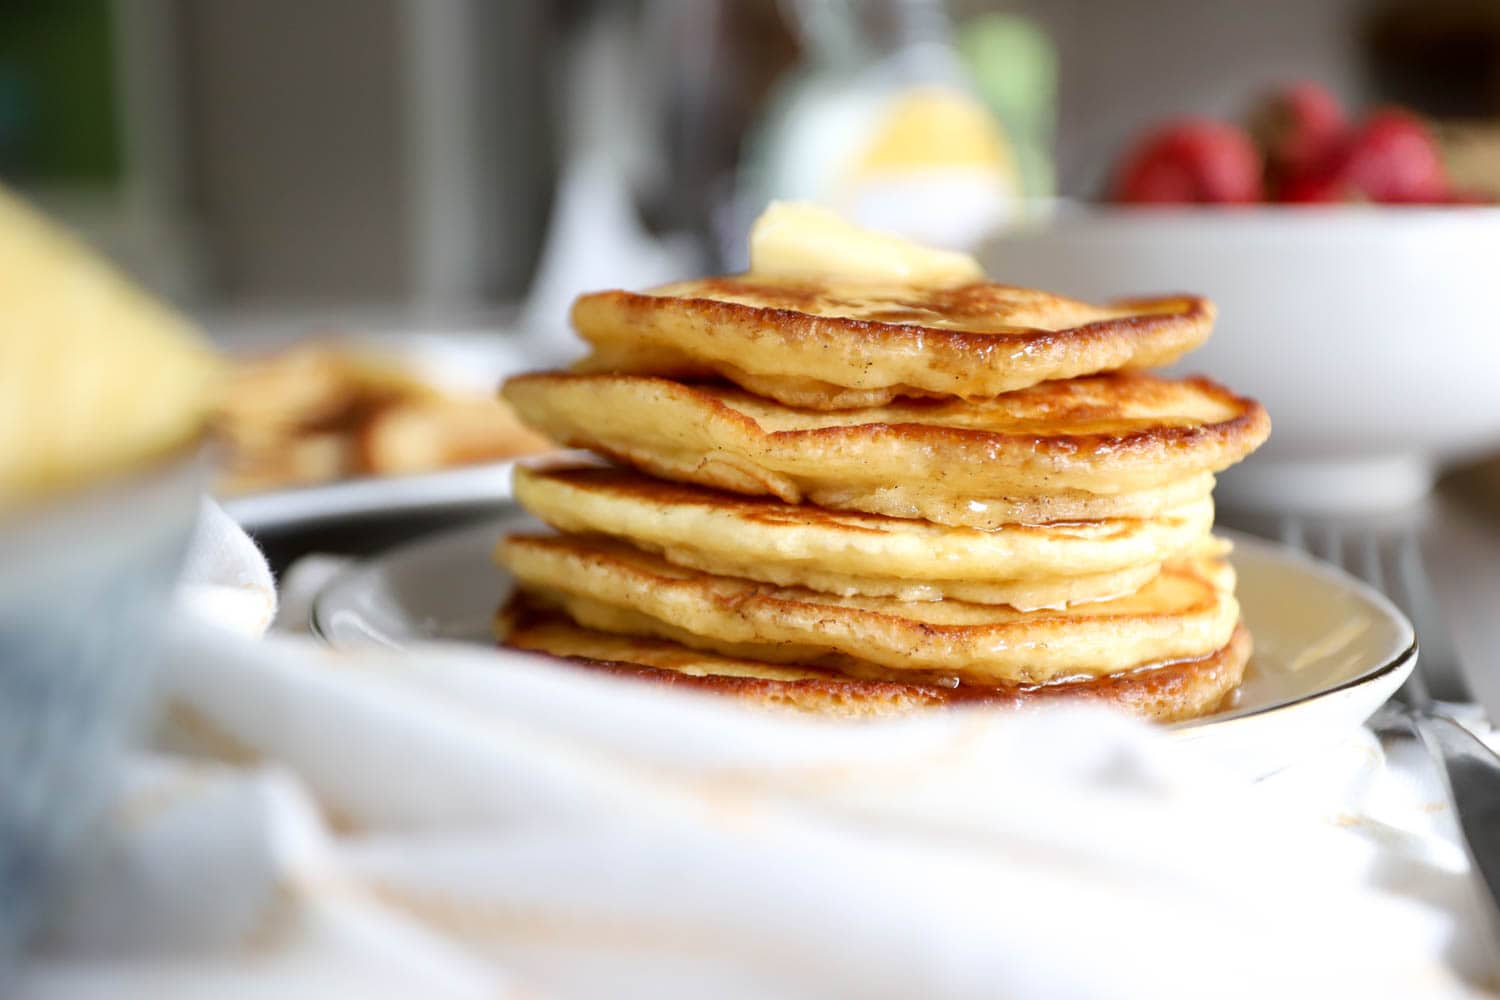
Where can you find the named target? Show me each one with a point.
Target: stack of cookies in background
(861, 479)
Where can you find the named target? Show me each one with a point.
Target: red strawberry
(1191, 162)
(1298, 127)
(1391, 158)
(1313, 187)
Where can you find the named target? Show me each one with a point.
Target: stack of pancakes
(861, 499)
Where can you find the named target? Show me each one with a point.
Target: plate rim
(317, 504)
(1337, 574)
(1266, 548)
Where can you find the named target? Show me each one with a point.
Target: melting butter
(799, 240)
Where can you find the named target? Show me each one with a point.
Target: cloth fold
(454, 821)
(225, 580)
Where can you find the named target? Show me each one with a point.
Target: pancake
(1187, 611)
(1122, 445)
(1025, 566)
(842, 344)
(1166, 692)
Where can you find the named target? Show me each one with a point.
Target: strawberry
(1299, 127)
(1191, 162)
(1391, 158)
(1313, 187)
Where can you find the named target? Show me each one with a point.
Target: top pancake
(839, 345)
(1105, 445)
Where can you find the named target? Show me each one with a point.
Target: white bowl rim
(1322, 218)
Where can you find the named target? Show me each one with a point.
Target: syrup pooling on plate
(1166, 692)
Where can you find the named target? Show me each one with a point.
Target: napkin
(452, 821)
(225, 580)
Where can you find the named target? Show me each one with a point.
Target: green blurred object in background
(1013, 64)
(57, 93)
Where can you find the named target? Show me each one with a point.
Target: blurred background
(1323, 169)
(409, 155)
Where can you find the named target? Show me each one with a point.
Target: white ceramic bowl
(1372, 335)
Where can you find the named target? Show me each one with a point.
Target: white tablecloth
(461, 822)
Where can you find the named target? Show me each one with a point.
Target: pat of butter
(798, 240)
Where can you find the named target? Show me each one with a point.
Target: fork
(1389, 558)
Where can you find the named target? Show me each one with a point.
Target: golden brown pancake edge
(1165, 692)
(761, 538)
(832, 345)
(1187, 611)
(707, 435)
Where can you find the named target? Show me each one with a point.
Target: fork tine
(1367, 562)
(1292, 533)
(1312, 538)
(1439, 661)
(1330, 544)
(1400, 589)
(1391, 562)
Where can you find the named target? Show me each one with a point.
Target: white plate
(384, 496)
(1329, 650)
(471, 363)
